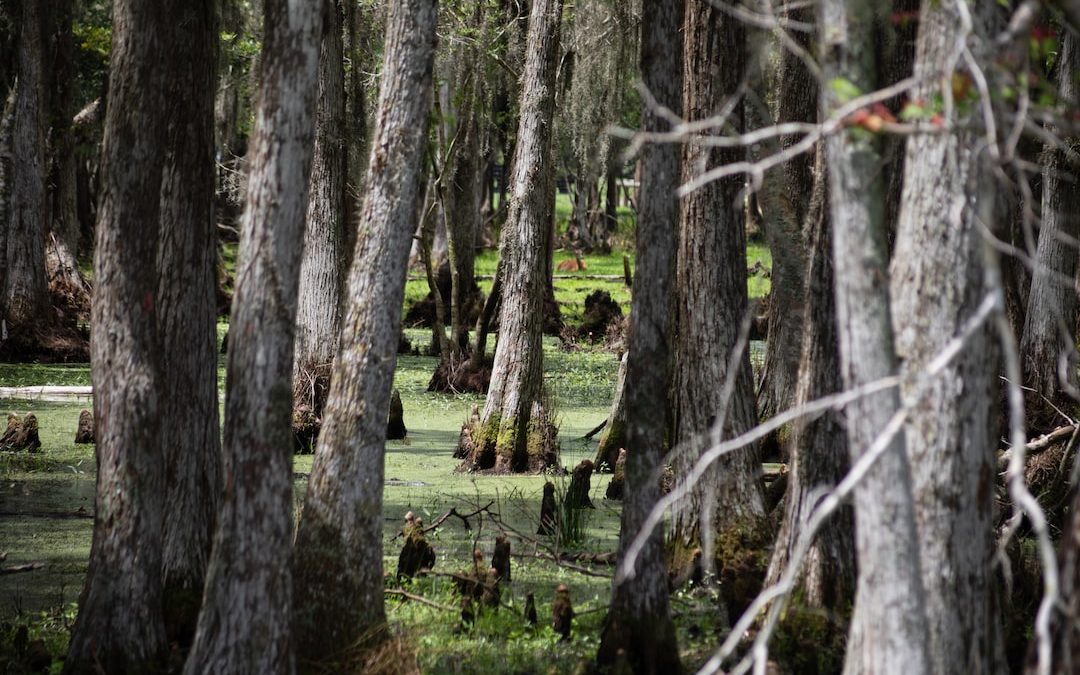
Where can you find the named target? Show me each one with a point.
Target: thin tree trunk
(119, 628)
(187, 313)
(1050, 325)
(819, 451)
(514, 410)
(246, 619)
(323, 266)
(887, 633)
(638, 633)
(26, 296)
(712, 300)
(338, 555)
(937, 283)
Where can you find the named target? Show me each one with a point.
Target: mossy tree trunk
(887, 632)
(513, 425)
(323, 266)
(1050, 324)
(711, 298)
(119, 628)
(638, 634)
(187, 317)
(614, 437)
(246, 619)
(338, 552)
(937, 282)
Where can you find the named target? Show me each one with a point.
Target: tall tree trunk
(887, 633)
(338, 564)
(937, 283)
(711, 300)
(638, 633)
(505, 438)
(1050, 325)
(245, 622)
(119, 628)
(187, 313)
(7, 161)
(819, 451)
(360, 28)
(323, 266)
(26, 296)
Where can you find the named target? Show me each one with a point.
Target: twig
(452, 513)
(418, 598)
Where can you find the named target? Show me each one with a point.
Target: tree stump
(14, 424)
(500, 559)
(417, 554)
(395, 426)
(85, 433)
(577, 495)
(548, 510)
(21, 436)
(618, 482)
(562, 612)
(530, 609)
(600, 313)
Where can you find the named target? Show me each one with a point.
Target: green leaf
(844, 89)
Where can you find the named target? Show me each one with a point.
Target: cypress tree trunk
(26, 296)
(1050, 324)
(514, 432)
(638, 633)
(323, 266)
(245, 622)
(887, 633)
(187, 313)
(937, 283)
(338, 553)
(119, 628)
(614, 438)
(711, 300)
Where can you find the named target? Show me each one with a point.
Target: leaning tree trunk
(614, 437)
(246, 618)
(322, 268)
(819, 451)
(514, 433)
(638, 634)
(119, 628)
(887, 632)
(1050, 325)
(711, 301)
(937, 284)
(338, 564)
(187, 318)
(26, 297)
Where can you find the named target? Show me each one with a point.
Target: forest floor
(47, 503)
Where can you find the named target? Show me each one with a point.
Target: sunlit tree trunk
(638, 634)
(119, 628)
(887, 632)
(338, 555)
(246, 618)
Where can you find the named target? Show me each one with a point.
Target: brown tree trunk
(323, 266)
(245, 622)
(711, 300)
(515, 432)
(614, 438)
(819, 451)
(1050, 325)
(119, 628)
(887, 633)
(937, 283)
(338, 552)
(187, 313)
(26, 296)
(638, 633)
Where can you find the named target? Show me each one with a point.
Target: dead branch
(418, 598)
(26, 567)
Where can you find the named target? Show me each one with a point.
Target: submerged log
(85, 433)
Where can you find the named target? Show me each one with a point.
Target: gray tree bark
(638, 633)
(323, 266)
(937, 282)
(246, 618)
(514, 411)
(710, 298)
(26, 295)
(187, 317)
(338, 553)
(887, 632)
(119, 628)
(614, 437)
(1050, 324)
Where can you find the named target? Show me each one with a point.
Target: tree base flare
(497, 447)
